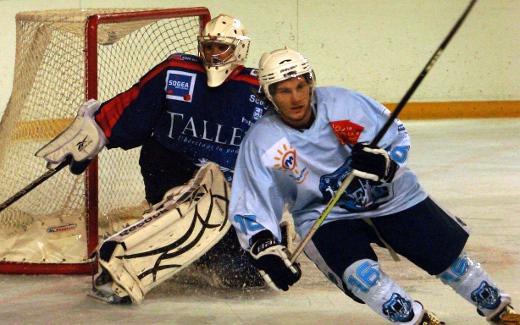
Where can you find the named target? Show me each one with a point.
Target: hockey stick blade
(45, 176)
(332, 202)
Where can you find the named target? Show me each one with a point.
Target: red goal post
(64, 57)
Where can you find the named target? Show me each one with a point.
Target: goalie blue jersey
(173, 105)
(279, 165)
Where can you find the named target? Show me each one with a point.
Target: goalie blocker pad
(190, 220)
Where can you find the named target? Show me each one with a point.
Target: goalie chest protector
(174, 104)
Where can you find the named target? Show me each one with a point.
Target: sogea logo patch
(179, 85)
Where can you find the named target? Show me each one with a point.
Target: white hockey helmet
(228, 31)
(280, 65)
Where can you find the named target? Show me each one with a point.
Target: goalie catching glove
(373, 163)
(272, 258)
(79, 143)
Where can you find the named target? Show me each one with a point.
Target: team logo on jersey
(180, 85)
(283, 156)
(259, 110)
(346, 131)
(257, 114)
(361, 194)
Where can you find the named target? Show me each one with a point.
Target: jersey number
(366, 277)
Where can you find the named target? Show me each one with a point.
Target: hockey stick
(45, 176)
(383, 130)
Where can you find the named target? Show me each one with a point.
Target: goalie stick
(45, 176)
(332, 202)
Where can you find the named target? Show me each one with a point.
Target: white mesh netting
(49, 86)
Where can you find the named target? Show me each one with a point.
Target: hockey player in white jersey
(299, 153)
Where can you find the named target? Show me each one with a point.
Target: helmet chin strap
(313, 101)
(312, 105)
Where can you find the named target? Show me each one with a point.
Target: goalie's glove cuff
(272, 258)
(79, 143)
(373, 163)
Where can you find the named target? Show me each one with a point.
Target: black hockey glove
(78, 167)
(272, 258)
(373, 163)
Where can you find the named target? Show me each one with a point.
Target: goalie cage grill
(64, 57)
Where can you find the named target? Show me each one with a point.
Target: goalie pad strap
(178, 230)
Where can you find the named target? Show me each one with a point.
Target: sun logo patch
(284, 157)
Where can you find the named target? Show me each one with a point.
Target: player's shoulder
(185, 61)
(247, 75)
(335, 91)
(265, 128)
(184, 57)
(341, 96)
(340, 103)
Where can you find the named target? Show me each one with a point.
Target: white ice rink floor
(471, 167)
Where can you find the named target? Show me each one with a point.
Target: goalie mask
(280, 65)
(223, 46)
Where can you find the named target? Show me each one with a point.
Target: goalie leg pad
(104, 289)
(178, 230)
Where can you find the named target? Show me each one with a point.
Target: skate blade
(109, 299)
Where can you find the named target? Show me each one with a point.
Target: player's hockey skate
(430, 318)
(508, 316)
(103, 290)
(109, 297)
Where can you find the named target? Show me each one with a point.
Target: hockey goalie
(184, 112)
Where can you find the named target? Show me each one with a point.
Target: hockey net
(64, 57)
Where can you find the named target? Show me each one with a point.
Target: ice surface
(471, 167)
